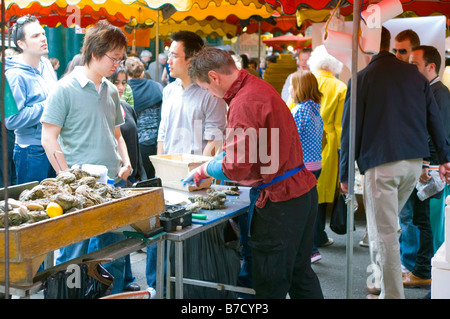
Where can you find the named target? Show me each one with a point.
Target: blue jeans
(319, 225)
(116, 267)
(12, 178)
(409, 236)
(31, 164)
(245, 274)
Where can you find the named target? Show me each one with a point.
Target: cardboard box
(173, 168)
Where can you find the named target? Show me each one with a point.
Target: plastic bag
(88, 280)
(431, 187)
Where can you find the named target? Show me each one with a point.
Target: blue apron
(255, 191)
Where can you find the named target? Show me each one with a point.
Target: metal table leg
(179, 270)
(160, 270)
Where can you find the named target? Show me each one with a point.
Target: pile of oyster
(72, 189)
(212, 200)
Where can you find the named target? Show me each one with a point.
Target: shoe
(371, 296)
(329, 242)
(405, 271)
(364, 242)
(315, 258)
(412, 281)
(373, 290)
(151, 292)
(133, 287)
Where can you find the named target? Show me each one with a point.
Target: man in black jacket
(428, 62)
(395, 113)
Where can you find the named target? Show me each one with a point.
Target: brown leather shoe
(411, 281)
(371, 296)
(373, 290)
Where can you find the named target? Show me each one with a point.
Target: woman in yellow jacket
(325, 67)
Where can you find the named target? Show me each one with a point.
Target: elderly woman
(325, 67)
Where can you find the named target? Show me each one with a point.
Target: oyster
(212, 200)
(37, 215)
(66, 177)
(66, 201)
(72, 189)
(15, 218)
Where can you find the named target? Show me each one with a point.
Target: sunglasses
(400, 51)
(23, 20)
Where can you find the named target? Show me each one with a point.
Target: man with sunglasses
(403, 45)
(404, 42)
(81, 125)
(31, 77)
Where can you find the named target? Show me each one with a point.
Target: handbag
(338, 219)
(87, 280)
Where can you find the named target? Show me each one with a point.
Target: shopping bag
(338, 219)
(87, 280)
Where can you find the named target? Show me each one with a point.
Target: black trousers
(282, 236)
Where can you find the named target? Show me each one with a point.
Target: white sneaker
(315, 258)
(152, 293)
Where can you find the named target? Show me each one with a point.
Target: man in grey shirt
(192, 120)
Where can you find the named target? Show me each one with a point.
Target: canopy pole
(351, 160)
(259, 43)
(157, 47)
(4, 147)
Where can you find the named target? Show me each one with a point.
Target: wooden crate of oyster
(30, 243)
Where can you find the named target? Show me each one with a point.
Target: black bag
(94, 282)
(338, 219)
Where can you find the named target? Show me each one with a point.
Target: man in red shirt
(262, 149)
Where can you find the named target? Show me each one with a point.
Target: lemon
(54, 209)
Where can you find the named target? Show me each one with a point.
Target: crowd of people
(206, 101)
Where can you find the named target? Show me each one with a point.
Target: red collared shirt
(262, 141)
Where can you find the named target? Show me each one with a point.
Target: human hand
(196, 176)
(444, 172)
(344, 188)
(424, 177)
(125, 172)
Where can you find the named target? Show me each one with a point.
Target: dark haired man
(81, 125)
(31, 77)
(395, 114)
(404, 42)
(428, 62)
(192, 121)
(283, 195)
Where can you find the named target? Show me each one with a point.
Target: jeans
(146, 151)
(245, 274)
(421, 219)
(409, 236)
(12, 178)
(150, 269)
(31, 164)
(116, 267)
(320, 236)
